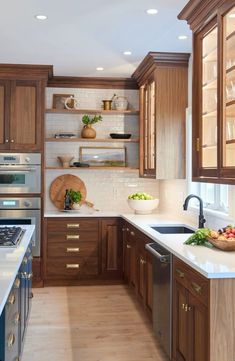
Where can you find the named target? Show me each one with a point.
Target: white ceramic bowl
(143, 206)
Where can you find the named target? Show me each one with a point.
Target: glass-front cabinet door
(209, 113)
(228, 102)
(148, 124)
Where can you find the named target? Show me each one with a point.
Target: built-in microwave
(20, 173)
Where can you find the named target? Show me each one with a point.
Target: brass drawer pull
(30, 276)
(11, 299)
(196, 287)
(72, 236)
(17, 283)
(142, 261)
(132, 233)
(25, 260)
(128, 246)
(179, 273)
(72, 249)
(11, 340)
(72, 265)
(127, 230)
(17, 318)
(73, 225)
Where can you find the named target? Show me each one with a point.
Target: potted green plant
(88, 131)
(75, 198)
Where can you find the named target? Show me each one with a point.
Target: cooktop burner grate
(10, 236)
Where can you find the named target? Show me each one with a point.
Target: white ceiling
(80, 35)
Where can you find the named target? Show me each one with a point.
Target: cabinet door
(141, 270)
(132, 280)
(198, 330)
(4, 114)
(147, 130)
(181, 336)
(26, 115)
(111, 248)
(228, 91)
(205, 106)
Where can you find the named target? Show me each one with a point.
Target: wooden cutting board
(59, 186)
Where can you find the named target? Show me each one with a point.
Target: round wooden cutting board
(59, 186)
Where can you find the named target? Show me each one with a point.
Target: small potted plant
(88, 131)
(75, 198)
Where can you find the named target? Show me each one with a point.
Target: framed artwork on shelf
(59, 101)
(103, 156)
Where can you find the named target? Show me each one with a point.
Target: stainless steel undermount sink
(172, 229)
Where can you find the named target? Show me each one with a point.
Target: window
(215, 196)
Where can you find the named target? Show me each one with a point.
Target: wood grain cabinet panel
(68, 249)
(4, 114)
(112, 248)
(72, 225)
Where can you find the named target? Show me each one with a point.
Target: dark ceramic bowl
(120, 136)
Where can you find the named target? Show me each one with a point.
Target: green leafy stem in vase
(86, 119)
(75, 196)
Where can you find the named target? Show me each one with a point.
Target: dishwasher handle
(163, 258)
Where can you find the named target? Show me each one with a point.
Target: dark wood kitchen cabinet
(111, 235)
(22, 95)
(213, 107)
(162, 78)
(190, 314)
(138, 265)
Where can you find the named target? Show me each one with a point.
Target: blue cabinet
(14, 317)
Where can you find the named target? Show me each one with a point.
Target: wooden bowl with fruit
(223, 239)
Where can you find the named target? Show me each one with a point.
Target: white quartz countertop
(10, 261)
(84, 213)
(211, 263)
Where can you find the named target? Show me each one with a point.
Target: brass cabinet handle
(72, 236)
(11, 340)
(185, 307)
(72, 265)
(11, 299)
(196, 287)
(30, 276)
(72, 249)
(142, 261)
(12, 141)
(25, 260)
(73, 225)
(24, 275)
(7, 141)
(17, 283)
(132, 233)
(127, 230)
(179, 273)
(128, 246)
(17, 318)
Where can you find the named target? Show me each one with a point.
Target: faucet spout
(201, 219)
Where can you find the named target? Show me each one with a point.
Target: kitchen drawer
(75, 236)
(197, 284)
(72, 225)
(68, 249)
(74, 267)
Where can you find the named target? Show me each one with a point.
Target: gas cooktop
(11, 236)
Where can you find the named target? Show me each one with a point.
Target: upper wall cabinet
(213, 25)
(22, 93)
(163, 82)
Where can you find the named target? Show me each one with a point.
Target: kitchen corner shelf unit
(50, 139)
(213, 26)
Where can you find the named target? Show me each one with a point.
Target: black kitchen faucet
(201, 218)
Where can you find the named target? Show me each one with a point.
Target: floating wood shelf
(230, 141)
(92, 111)
(96, 140)
(91, 168)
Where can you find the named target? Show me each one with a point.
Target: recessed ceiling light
(128, 52)
(41, 17)
(232, 15)
(182, 37)
(100, 68)
(152, 11)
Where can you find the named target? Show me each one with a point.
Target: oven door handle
(17, 169)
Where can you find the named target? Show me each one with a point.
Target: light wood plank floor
(89, 323)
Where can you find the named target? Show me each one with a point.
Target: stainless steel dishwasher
(162, 295)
